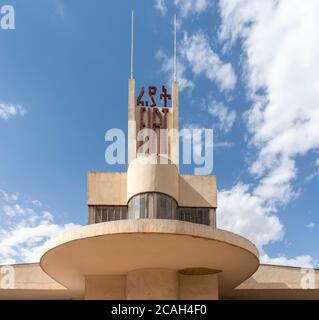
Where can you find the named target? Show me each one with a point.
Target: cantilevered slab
(121, 246)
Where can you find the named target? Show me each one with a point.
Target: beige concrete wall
(29, 281)
(282, 277)
(148, 177)
(279, 283)
(152, 284)
(112, 188)
(198, 287)
(30, 276)
(105, 287)
(197, 191)
(106, 188)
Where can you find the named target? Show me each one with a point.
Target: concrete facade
(152, 284)
(268, 282)
(110, 188)
(127, 245)
(144, 176)
(176, 254)
(105, 287)
(107, 188)
(198, 287)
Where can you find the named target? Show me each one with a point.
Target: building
(152, 233)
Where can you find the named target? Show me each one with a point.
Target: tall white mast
(174, 62)
(132, 45)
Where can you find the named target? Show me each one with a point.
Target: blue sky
(64, 75)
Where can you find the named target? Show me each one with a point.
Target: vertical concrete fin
(175, 126)
(131, 121)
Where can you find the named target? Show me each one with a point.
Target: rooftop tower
(152, 230)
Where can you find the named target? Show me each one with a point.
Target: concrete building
(152, 233)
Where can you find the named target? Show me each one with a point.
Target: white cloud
(242, 212)
(26, 243)
(47, 216)
(25, 231)
(312, 176)
(315, 174)
(281, 70)
(276, 187)
(281, 61)
(167, 68)
(9, 211)
(304, 261)
(196, 53)
(161, 6)
(185, 7)
(196, 50)
(9, 111)
(282, 66)
(36, 203)
(191, 6)
(16, 210)
(311, 225)
(225, 117)
(8, 197)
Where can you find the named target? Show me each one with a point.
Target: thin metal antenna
(132, 45)
(175, 66)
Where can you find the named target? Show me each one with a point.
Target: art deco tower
(152, 230)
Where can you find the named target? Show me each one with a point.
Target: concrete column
(152, 284)
(145, 176)
(212, 217)
(105, 287)
(198, 287)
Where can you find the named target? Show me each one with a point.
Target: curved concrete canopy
(118, 247)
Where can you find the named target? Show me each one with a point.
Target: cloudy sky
(247, 68)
